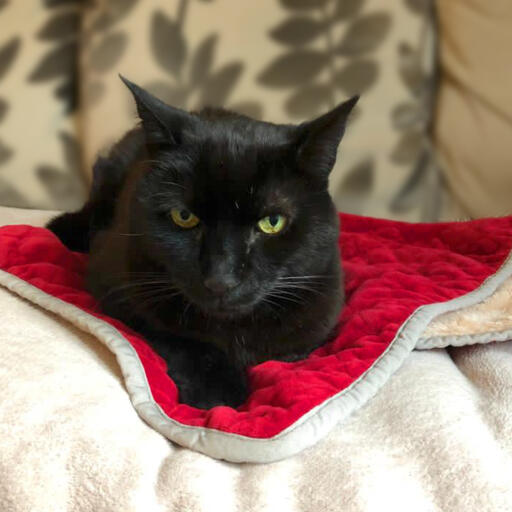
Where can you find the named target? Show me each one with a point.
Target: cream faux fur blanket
(437, 437)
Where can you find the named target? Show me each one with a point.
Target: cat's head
(235, 210)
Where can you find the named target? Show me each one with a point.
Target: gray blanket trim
(306, 431)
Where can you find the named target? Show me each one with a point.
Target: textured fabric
(40, 161)
(284, 62)
(391, 269)
(473, 125)
(437, 438)
(61, 100)
(489, 316)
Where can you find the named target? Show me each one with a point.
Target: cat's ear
(319, 139)
(163, 124)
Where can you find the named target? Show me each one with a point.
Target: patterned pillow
(283, 61)
(39, 153)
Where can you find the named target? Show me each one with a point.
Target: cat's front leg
(203, 374)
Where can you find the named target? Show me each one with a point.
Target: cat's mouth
(230, 305)
(225, 307)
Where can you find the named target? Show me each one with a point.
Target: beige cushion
(474, 117)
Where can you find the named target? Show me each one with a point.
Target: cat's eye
(272, 224)
(184, 218)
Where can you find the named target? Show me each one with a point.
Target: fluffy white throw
(437, 437)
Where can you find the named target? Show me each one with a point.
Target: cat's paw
(205, 378)
(212, 389)
(213, 396)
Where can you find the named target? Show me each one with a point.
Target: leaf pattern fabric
(282, 61)
(38, 104)
(337, 48)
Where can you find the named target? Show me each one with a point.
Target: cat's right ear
(163, 124)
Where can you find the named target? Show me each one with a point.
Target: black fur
(276, 296)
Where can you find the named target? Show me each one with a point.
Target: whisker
(158, 297)
(288, 293)
(136, 284)
(183, 316)
(140, 273)
(304, 288)
(147, 296)
(311, 277)
(266, 300)
(151, 162)
(142, 283)
(145, 291)
(175, 183)
(285, 297)
(144, 274)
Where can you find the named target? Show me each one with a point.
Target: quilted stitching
(391, 269)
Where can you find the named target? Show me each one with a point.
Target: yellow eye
(184, 218)
(272, 224)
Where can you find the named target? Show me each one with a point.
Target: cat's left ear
(319, 139)
(163, 124)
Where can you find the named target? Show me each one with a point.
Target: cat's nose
(219, 285)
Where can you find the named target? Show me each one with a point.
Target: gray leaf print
(408, 116)
(67, 92)
(219, 85)
(249, 108)
(359, 179)
(347, 8)
(170, 94)
(65, 189)
(71, 150)
(11, 197)
(94, 92)
(59, 61)
(202, 61)
(407, 148)
(412, 190)
(357, 76)
(113, 11)
(355, 190)
(108, 52)
(55, 3)
(303, 4)
(294, 68)
(60, 26)
(365, 34)
(168, 44)
(309, 101)
(5, 153)
(419, 6)
(410, 68)
(297, 31)
(8, 53)
(4, 107)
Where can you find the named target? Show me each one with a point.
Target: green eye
(272, 224)
(184, 218)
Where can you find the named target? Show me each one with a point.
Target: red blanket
(391, 269)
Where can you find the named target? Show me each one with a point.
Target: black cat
(214, 236)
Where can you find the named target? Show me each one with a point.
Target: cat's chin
(228, 311)
(225, 309)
